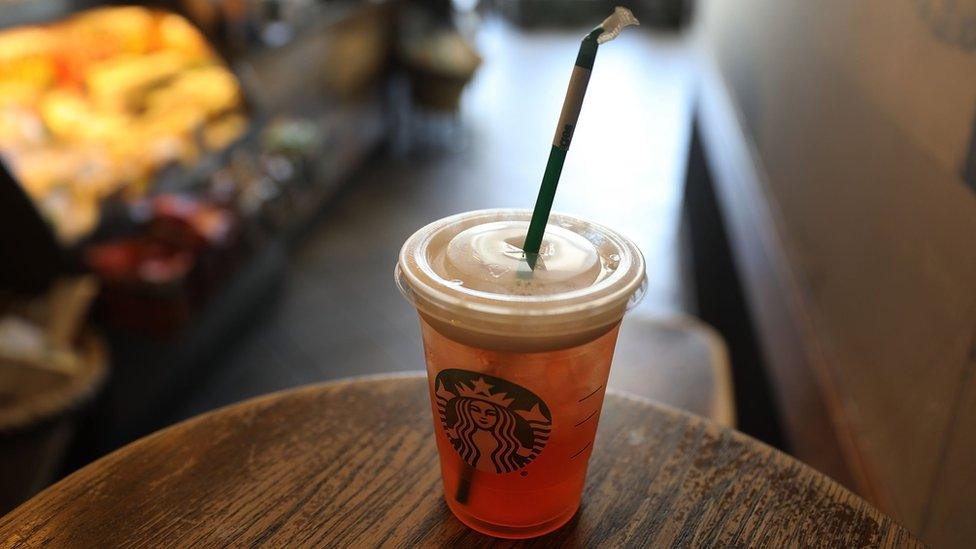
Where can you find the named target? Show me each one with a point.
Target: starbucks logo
(493, 424)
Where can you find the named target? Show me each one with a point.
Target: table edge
(418, 375)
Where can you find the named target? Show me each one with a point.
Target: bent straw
(605, 32)
(572, 104)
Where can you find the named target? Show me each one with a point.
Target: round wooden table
(353, 463)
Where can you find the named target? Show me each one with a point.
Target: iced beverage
(517, 358)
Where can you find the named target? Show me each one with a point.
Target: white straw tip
(618, 20)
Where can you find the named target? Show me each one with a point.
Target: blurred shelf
(331, 72)
(150, 379)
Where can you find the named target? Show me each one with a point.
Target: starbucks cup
(517, 358)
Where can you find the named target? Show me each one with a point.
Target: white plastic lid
(468, 278)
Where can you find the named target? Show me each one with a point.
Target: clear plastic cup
(517, 358)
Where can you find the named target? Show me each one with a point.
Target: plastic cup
(517, 359)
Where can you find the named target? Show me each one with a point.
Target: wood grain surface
(354, 463)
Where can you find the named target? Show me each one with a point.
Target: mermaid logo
(494, 425)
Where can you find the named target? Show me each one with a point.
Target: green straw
(608, 30)
(572, 104)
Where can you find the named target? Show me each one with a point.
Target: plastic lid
(467, 276)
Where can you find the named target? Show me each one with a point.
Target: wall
(861, 117)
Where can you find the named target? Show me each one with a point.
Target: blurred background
(201, 201)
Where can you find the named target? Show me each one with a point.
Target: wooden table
(353, 463)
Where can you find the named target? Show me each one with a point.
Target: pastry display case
(135, 147)
(175, 151)
(93, 107)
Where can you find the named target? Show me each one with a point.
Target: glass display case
(96, 105)
(176, 151)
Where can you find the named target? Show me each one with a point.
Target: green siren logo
(493, 424)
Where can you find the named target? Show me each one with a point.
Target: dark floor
(340, 313)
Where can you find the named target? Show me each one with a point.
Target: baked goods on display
(95, 105)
